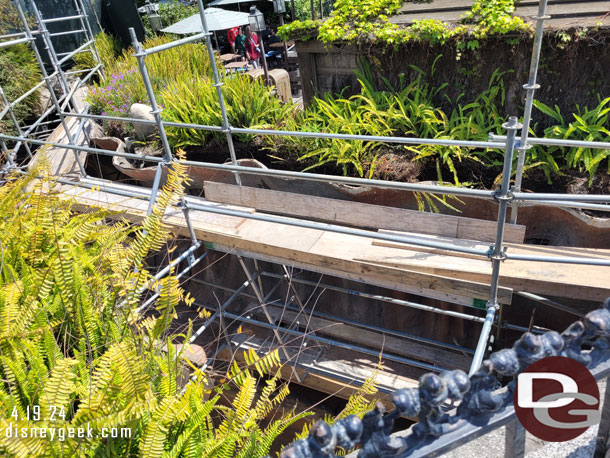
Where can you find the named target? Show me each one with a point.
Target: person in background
(240, 43)
(273, 38)
(265, 34)
(231, 34)
(252, 49)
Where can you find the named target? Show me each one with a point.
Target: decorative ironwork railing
(483, 405)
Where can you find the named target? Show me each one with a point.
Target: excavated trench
(219, 275)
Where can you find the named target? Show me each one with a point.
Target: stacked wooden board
(399, 266)
(430, 272)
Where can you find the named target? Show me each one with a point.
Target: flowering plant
(114, 97)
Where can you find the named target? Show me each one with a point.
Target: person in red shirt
(231, 34)
(252, 50)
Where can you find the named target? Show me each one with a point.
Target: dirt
(396, 164)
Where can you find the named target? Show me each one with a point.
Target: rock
(141, 111)
(578, 186)
(194, 353)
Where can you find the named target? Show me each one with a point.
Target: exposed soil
(396, 164)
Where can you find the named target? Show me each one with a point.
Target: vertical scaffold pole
(530, 87)
(497, 254)
(45, 75)
(226, 127)
(9, 105)
(80, 11)
(156, 112)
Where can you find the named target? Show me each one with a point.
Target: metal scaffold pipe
(498, 255)
(530, 87)
(218, 85)
(156, 112)
(47, 79)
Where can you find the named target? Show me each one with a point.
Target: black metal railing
(482, 405)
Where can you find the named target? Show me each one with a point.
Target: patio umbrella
(217, 19)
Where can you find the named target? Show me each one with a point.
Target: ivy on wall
(359, 21)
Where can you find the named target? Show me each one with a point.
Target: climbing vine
(357, 21)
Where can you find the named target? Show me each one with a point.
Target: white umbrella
(217, 19)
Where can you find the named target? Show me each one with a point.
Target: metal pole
(228, 302)
(389, 300)
(156, 112)
(45, 75)
(80, 8)
(218, 85)
(602, 443)
(265, 68)
(367, 138)
(48, 44)
(192, 263)
(15, 121)
(497, 255)
(263, 305)
(530, 87)
(554, 142)
(366, 351)
(514, 440)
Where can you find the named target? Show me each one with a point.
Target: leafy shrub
(108, 48)
(19, 72)
(194, 101)
(124, 79)
(170, 14)
(75, 353)
(589, 125)
(409, 110)
(367, 21)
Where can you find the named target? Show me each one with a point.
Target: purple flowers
(115, 95)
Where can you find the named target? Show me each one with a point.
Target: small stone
(142, 111)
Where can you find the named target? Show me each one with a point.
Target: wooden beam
(359, 214)
(376, 340)
(354, 256)
(350, 374)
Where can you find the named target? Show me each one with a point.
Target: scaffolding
(507, 197)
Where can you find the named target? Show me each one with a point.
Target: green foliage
(170, 14)
(19, 72)
(108, 48)
(494, 17)
(193, 100)
(182, 80)
(74, 353)
(124, 85)
(302, 29)
(409, 110)
(9, 18)
(358, 21)
(589, 125)
(354, 20)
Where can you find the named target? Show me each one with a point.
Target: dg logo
(557, 399)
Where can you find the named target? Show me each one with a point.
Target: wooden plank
(543, 278)
(349, 275)
(62, 161)
(363, 337)
(359, 214)
(332, 362)
(353, 256)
